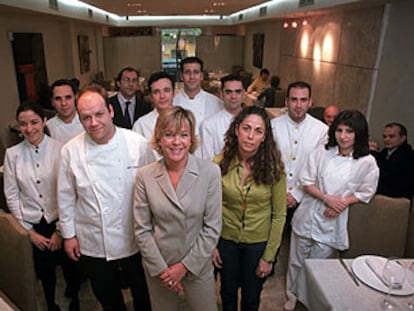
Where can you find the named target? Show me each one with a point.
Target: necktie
(127, 118)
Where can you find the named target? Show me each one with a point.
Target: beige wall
(359, 72)
(336, 53)
(394, 95)
(272, 46)
(220, 53)
(142, 53)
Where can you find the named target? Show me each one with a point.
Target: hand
(177, 288)
(173, 275)
(217, 262)
(55, 242)
(39, 240)
(263, 269)
(373, 145)
(72, 248)
(335, 202)
(330, 213)
(291, 201)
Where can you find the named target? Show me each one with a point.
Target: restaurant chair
(17, 275)
(317, 112)
(409, 245)
(279, 98)
(378, 228)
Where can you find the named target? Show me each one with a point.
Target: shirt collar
(337, 153)
(294, 123)
(198, 95)
(123, 100)
(234, 163)
(41, 145)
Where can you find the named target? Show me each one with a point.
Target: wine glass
(410, 279)
(393, 275)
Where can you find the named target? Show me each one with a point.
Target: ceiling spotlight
(294, 24)
(285, 25)
(305, 22)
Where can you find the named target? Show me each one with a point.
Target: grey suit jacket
(178, 225)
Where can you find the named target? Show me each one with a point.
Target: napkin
(377, 266)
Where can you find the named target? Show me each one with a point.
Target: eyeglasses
(127, 79)
(192, 72)
(228, 92)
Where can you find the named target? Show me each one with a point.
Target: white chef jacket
(95, 192)
(62, 131)
(30, 176)
(295, 142)
(335, 175)
(203, 105)
(145, 125)
(212, 133)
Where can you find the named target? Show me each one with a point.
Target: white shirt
(295, 142)
(335, 175)
(212, 133)
(131, 108)
(62, 131)
(30, 177)
(202, 106)
(145, 125)
(95, 192)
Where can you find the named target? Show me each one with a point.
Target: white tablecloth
(326, 286)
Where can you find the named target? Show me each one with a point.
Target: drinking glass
(393, 275)
(410, 279)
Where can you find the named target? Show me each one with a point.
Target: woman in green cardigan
(254, 208)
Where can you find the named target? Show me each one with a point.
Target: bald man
(330, 114)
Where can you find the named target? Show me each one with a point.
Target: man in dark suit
(396, 163)
(128, 104)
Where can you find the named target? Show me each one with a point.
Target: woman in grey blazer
(177, 211)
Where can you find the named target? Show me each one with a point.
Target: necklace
(244, 199)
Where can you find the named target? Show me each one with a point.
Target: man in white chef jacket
(95, 196)
(297, 134)
(201, 103)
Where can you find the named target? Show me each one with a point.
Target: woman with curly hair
(254, 208)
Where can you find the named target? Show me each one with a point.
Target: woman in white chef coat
(335, 176)
(30, 176)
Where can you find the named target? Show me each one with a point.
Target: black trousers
(109, 277)
(45, 263)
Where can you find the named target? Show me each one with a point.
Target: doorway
(177, 44)
(30, 67)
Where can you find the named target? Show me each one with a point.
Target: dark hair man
(128, 104)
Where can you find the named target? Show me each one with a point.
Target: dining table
(324, 284)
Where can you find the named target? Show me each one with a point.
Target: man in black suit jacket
(396, 163)
(127, 82)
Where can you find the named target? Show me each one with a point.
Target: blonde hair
(174, 117)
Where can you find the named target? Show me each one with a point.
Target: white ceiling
(173, 7)
(214, 7)
(184, 12)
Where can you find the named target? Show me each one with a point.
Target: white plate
(365, 274)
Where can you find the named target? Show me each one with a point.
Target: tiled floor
(273, 294)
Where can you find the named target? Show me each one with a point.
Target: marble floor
(273, 294)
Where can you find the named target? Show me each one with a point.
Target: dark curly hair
(357, 122)
(267, 167)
